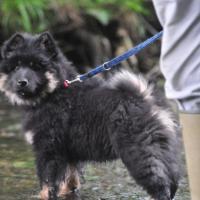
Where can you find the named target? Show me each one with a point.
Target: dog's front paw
(47, 193)
(44, 193)
(71, 183)
(66, 188)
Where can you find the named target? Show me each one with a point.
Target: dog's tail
(137, 86)
(127, 81)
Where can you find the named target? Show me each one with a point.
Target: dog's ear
(46, 43)
(16, 41)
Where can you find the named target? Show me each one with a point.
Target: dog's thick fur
(94, 120)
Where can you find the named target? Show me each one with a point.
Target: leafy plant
(32, 15)
(102, 9)
(21, 14)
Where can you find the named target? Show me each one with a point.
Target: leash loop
(105, 66)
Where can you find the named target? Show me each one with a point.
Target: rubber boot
(191, 137)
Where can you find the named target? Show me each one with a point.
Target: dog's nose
(22, 83)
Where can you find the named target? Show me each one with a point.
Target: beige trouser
(191, 136)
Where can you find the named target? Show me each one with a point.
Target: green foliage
(22, 14)
(135, 5)
(105, 9)
(97, 8)
(23, 164)
(32, 15)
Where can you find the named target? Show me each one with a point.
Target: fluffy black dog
(94, 120)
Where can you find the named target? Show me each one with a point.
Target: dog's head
(30, 68)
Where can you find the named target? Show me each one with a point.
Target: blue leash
(110, 64)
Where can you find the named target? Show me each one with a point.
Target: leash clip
(67, 82)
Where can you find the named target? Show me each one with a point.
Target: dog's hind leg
(151, 167)
(151, 173)
(148, 150)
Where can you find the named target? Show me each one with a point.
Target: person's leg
(191, 137)
(180, 64)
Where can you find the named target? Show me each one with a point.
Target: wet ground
(19, 182)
